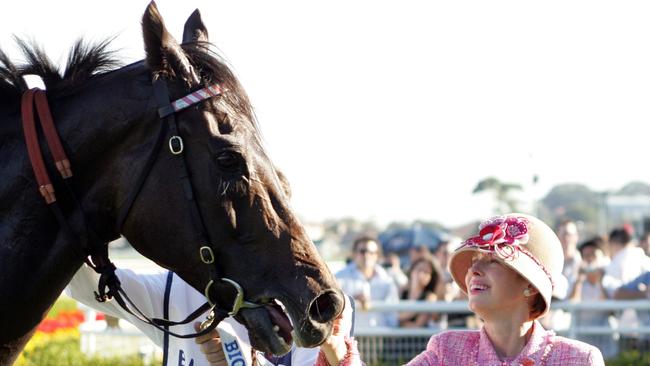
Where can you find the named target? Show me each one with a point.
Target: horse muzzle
(273, 327)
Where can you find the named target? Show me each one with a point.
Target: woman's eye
(228, 160)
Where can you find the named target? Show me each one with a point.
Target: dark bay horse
(108, 122)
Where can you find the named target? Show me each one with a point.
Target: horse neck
(28, 234)
(106, 128)
(37, 262)
(36, 258)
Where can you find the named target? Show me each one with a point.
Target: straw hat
(523, 243)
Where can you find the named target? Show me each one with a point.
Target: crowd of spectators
(613, 267)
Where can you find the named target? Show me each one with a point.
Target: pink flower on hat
(491, 234)
(499, 231)
(516, 230)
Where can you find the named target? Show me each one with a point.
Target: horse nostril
(326, 307)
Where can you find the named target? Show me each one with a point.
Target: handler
(167, 295)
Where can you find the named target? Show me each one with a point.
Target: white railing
(460, 307)
(375, 341)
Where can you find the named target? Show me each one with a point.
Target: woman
(507, 271)
(424, 281)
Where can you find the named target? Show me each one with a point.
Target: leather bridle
(95, 251)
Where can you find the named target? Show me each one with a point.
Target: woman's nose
(475, 268)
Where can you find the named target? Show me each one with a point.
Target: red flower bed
(68, 319)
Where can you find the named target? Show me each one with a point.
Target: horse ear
(195, 30)
(163, 54)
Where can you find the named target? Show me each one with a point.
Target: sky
(394, 110)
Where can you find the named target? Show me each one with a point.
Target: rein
(96, 250)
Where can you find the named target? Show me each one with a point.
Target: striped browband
(190, 99)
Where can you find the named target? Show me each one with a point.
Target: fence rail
(393, 346)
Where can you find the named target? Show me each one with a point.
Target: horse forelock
(212, 68)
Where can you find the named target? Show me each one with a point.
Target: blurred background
(411, 121)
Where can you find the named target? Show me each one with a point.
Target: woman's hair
(537, 306)
(436, 272)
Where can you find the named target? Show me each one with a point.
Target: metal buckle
(238, 303)
(203, 250)
(178, 141)
(208, 320)
(206, 292)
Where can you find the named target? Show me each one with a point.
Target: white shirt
(380, 287)
(148, 292)
(570, 272)
(629, 263)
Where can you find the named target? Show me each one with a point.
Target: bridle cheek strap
(202, 236)
(169, 131)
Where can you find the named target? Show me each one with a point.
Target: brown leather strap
(34, 149)
(36, 97)
(51, 135)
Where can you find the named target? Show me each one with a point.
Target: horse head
(255, 239)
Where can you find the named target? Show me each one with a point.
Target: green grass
(63, 303)
(630, 358)
(66, 352)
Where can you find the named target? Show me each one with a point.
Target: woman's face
(421, 274)
(494, 287)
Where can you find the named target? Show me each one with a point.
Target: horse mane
(11, 84)
(84, 61)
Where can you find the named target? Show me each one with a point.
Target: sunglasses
(364, 251)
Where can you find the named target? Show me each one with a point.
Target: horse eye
(228, 160)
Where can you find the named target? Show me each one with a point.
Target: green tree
(635, 188)
(502, 192)
(574, 201)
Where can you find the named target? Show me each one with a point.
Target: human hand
(335, 348)
(363, 301)
(211, 346)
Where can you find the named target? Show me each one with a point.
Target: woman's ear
(530, 291)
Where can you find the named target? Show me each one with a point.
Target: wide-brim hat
(521, 242)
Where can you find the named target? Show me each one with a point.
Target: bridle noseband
(96, 251)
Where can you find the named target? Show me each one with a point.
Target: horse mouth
(269, 328)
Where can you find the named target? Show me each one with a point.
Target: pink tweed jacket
(455, 348)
